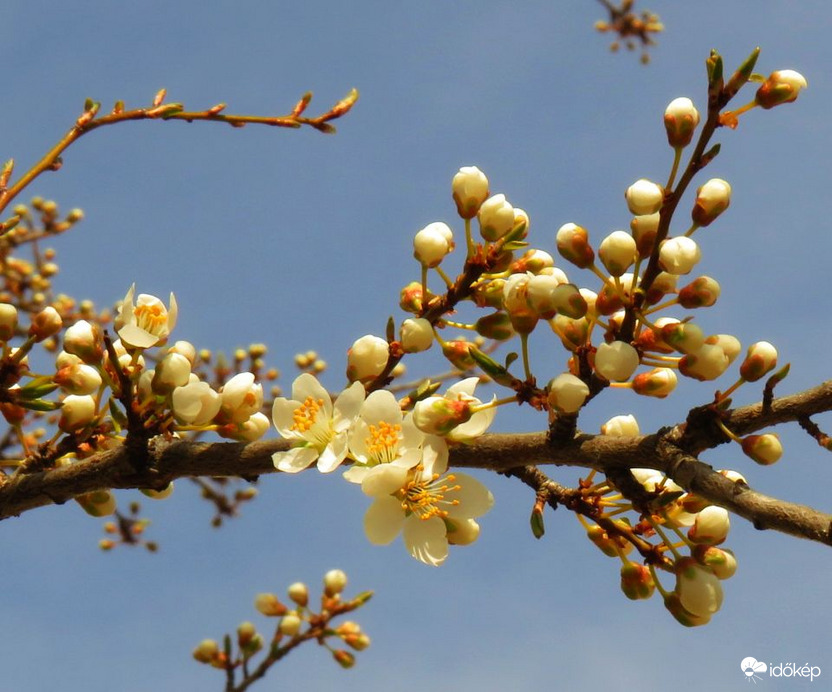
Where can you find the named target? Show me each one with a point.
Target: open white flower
(421, 506)
(382, 434)
(147, 322)
(318, 425)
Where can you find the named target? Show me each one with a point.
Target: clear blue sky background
(303, 241)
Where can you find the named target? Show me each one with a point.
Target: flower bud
(730, 345)
(289, 625)
(437, 415)
(78, 378)
(196, 403)
(496, 326)
(174, 370)
(616, 361)
(567, 393)
(708, 363)
(611, 546)
(246, 631)
(637, 581)
(463, 531)
(299, 593)
(679, 255)
(84, 340)
(573, 333)
(410, 298)
(672, 602)
(334, 582)
(764, 449)
(186, 349)
(699, 590)
(458, 353)
(573, 245)
(269, 605)
(621, 426)
(711, 526)
(77, 411)
(367, 358)
(206, 651)
(344, 658)
(680, 121)
(249, 430)
(416, 335)
(719, 560)
(496, 217)
(644, 229)
(760, 359)
(617, 252)
(534, 261)
(45, 324)
(470, 190)
(659, 382)
(782, 86)
(699, 293)
(644, 197)
(241, 397)
(684, 337)
(8, 321)
(432, 243)
(98, 503)
(712, 199)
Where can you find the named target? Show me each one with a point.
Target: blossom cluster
(297, 623)
(107, 388)
(674, 531)
(398, 457)
(635, 329)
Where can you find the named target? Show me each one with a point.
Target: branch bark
(672, 450)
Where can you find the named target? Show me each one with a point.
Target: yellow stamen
(304, 415)
(424, 497)
(151, 318)
(383, 441)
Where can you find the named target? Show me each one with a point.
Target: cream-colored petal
(282, 417)
(135, 336)
(383, 480)
(356, 473)
(474, 498)
(426, 540)
(383, 520)
(333, 454)
(295, 459)
(347, 406)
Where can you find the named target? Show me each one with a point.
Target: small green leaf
(536, 522)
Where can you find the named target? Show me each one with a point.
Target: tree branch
(670, 450)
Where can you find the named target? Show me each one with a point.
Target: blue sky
(303, 241)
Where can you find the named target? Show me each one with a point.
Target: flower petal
(474, 498)
(282, 416)
(426, 539)
(333, 454)
(347, 406)
(295, 459)
(383, 480)
(383, 520)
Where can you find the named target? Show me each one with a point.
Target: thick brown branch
(671, 450)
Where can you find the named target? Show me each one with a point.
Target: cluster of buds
(630, 28)
(674, 532)
(297, 622)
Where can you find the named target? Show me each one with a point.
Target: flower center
(383, 441)
(151, 318)
(304, 416)
(425, 497)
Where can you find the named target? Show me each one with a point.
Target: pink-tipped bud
(470, 190)
(437, 415)
(765, 449)
(573, 245)
(637, 581)
(680, 121)
(782, 86)
(659, 382)
(699, 293)
(760, 359)
(45, 324)
(713, 198)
